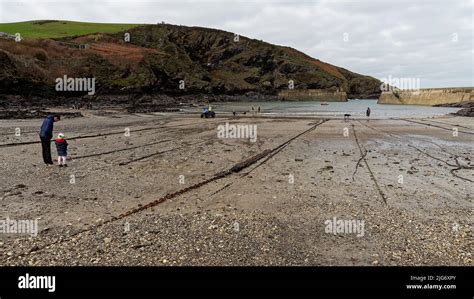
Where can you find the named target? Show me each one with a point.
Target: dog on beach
(347, 116)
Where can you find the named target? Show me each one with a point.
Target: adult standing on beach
(368, 112)
(46, 133)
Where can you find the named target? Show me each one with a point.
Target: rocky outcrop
(175, 61)
(313, 95)
(468, 108)
(30, 114)
(466, 104)
(428, 97)
(468, 112)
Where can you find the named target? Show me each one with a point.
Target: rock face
(468, 112)
(468, 108)
(313, 95)
(429, 97)
(171, 60)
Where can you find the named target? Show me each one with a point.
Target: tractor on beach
(208, 113)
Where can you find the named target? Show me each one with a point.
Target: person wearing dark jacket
(61, 147)
(46, 133)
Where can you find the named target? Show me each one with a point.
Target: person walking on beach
(61, 147)
(46, 133)
(368, 113)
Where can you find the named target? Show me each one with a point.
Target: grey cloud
(385, 38)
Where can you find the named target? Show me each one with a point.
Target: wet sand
(410, 181)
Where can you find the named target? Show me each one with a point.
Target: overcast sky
(430, 40)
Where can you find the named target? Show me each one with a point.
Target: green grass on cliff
(57, 29)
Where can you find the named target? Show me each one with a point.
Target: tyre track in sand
(436, 126)
(444, 123)
(236, 168)
(12, 144)
(454, 167)
(280, 148)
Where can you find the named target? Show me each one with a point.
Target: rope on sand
(363, 153)
(234, 169)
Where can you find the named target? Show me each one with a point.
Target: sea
(356, 108)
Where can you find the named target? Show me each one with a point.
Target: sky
(428, 40)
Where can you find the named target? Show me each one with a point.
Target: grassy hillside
(158, 57)
(58, 29)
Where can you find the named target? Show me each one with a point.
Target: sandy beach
(169, 193)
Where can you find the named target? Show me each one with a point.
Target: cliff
(428, 97)
(168, 60)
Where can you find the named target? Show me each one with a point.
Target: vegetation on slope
(160, 57)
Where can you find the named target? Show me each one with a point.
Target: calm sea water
(356, 108)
